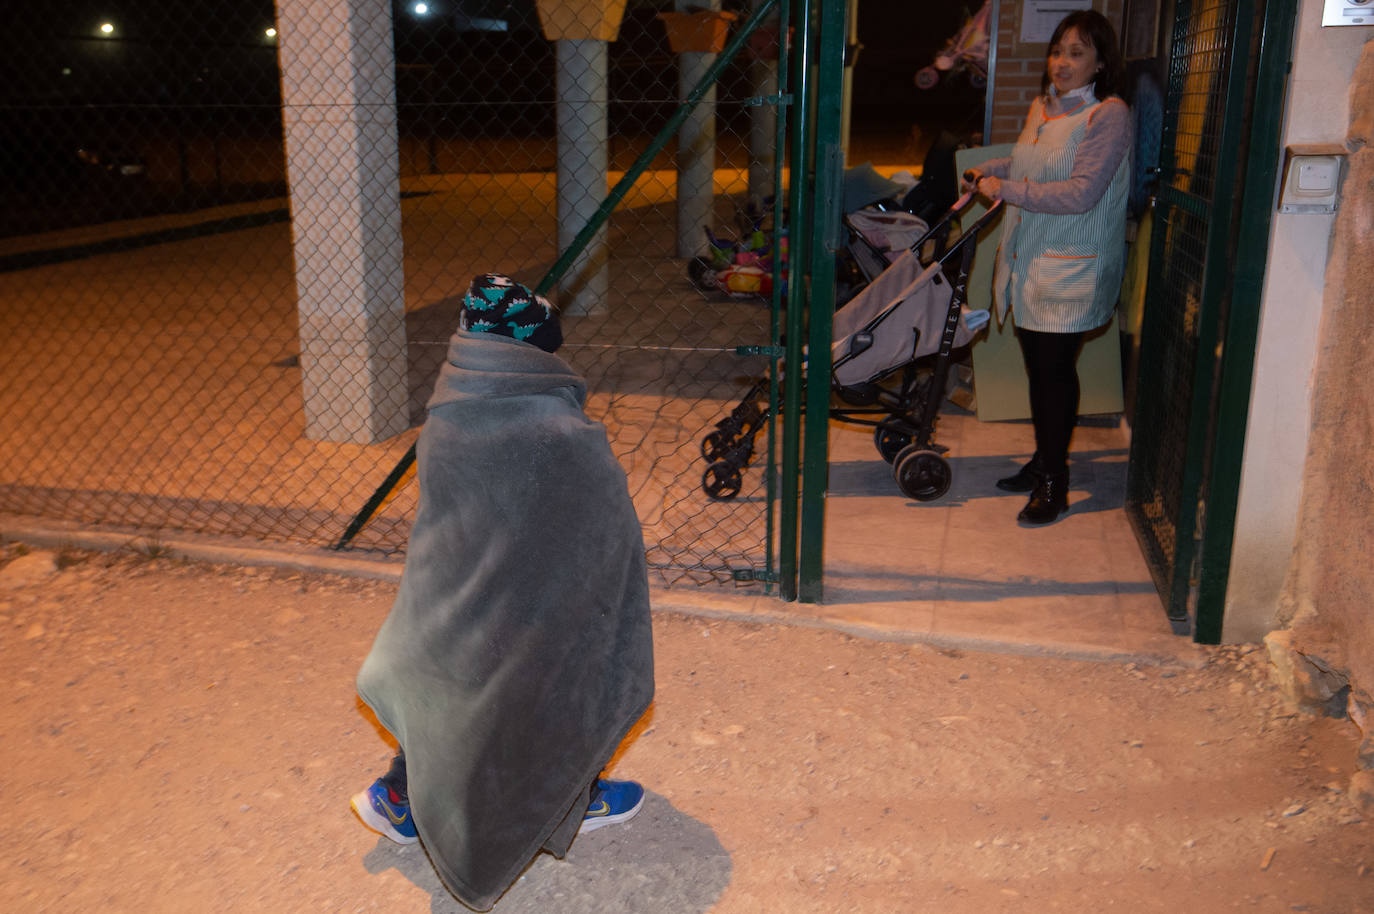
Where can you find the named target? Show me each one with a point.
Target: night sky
(165, 52)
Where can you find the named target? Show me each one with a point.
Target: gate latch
(758, 101)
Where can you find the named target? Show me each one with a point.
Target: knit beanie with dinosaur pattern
(498, 304)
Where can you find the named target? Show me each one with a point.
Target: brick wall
(1020, 66)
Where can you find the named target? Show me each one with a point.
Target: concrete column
(696, 149)
(339, 115)
(763, 125)
(582, 170)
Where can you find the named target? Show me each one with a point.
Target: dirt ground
(184, 737)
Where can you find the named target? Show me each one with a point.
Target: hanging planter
(703, 32)
(580, 19)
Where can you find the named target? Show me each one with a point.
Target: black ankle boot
(1025, 478)
(1048, 501)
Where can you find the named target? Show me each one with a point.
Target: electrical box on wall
(1348, 12)
(1311, 178)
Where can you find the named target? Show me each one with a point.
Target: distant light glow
(271, 33)
(107, 28)
(421, 9)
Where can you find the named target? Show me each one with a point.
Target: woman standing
(1062, 253)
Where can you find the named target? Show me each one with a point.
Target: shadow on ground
(1101, 473)
(662, 861)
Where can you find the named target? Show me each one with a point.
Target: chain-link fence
(230, 265)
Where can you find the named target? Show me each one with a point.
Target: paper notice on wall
(1039, 17)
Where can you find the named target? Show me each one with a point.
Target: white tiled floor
(960, 570)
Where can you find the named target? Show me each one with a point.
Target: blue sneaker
(385, 813)
(612, 802)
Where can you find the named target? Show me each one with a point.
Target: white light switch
(1317, 177)
(1311, 179)
(1348, 12)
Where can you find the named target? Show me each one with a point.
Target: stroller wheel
(721, 480)
(890, 442)
(921, 474)
(714, 445)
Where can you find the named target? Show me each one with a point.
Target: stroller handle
(972, 231)
(959, 206)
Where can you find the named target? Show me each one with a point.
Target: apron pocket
(1066, 277)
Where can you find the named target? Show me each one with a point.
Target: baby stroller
(882, 339)
(967, 50)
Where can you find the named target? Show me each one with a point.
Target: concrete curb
(55, 534)
(752, 608)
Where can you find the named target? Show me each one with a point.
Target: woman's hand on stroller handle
(986, 185)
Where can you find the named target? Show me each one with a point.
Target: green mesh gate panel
(1193, 251)
(1169, 334)
(157, 368)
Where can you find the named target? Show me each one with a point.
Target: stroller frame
(905, 434)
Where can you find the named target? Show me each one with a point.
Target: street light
(271, 34)
(107, 28)
(421, 9)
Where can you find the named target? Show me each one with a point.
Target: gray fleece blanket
(518, 653)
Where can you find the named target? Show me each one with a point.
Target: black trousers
(1052, 366)
(395, 777)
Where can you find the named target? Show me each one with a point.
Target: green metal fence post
(781, 231)
(824, 243)
(798, 229)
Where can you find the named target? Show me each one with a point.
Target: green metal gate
(1223, 114)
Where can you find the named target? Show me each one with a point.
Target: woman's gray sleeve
(994, 168)
(1105, 144)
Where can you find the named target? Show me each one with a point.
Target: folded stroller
(967, 50)
(910, 318)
